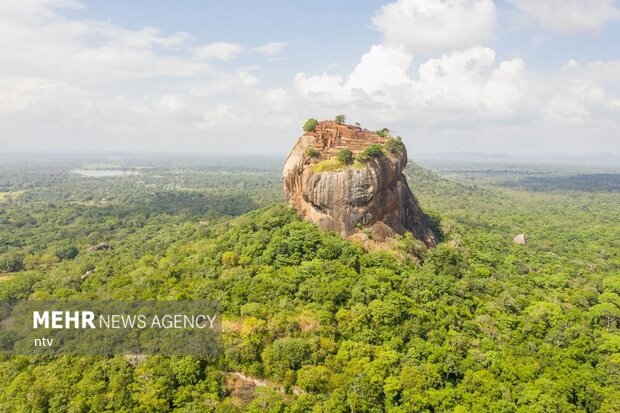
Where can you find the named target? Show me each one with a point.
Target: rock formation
(368, 192)
(104, 246)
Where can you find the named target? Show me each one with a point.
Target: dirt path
(251, 382)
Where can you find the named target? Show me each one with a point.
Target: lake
(103, 173)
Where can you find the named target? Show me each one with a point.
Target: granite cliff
(345, 178)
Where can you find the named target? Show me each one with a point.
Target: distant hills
(554, 158)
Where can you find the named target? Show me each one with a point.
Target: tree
(286, 354)
(383, 132)
(608, 312)
(310, 125)
(345, 156)
(395, 145)
(313, 378)
(12, 261)
(341, 119)
(66, 252)
(230, 258)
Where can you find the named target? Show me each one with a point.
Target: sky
(232, 76)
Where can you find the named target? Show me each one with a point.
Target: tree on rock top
(310, 125)
(345, 156)
(340, 119)
(383, 132)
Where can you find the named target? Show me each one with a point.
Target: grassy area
(328, 165)
(6, 276)
(6, 196)
(333, 164)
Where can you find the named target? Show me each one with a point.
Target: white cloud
(458, 82)
(219, 51)
(278, 99)
(600, 71)
(36, 41)
(19, 93)
(570, 16)
(469, 81)
(81, 84)
(327, 85)
(461, 82)
(569, 64)
(579, 93)
(465, 88)
(565, 109)
(436, 25)
(271, 49)
(37, 8)
(381, 67)
(247, 79)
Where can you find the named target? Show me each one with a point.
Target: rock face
(371, 192)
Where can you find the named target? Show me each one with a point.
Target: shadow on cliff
(434, 222)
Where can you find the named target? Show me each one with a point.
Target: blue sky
(339, 31)
(514, 76)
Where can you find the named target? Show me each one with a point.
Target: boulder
(87, 274)
(103, 246)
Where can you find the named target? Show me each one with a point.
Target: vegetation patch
(345, 156)
(383, 132)
(373, 150)
(310, 125)
(11, 195)
(6, 277)
(311, 152)
(394, 145)
(328, 165)
(452, 328)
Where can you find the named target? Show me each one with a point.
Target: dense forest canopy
(312, 322)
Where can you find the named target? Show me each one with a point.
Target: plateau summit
(347, 179)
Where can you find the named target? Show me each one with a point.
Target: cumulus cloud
(470, 80)
(381, 67)
(79, 83)
(466, 78)
(570, 16)
(330, 86)
(459, 82)
(436, 25)
(464, 87)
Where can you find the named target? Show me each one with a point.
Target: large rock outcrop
(370, 192)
